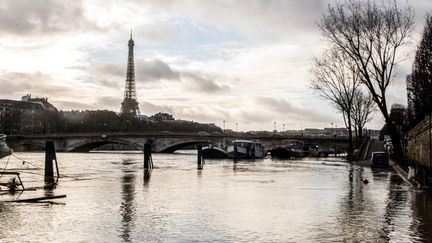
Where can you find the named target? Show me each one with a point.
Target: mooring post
(50, 155)
(235, 152)
(148, 162)
(200, 157)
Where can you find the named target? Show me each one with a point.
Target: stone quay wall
(418, 143)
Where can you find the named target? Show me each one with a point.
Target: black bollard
(200, 157)
(148, 161)
(50, 155)
(235, 152)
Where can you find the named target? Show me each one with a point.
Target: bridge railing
(167, 134)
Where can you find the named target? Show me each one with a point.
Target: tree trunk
(396, 140)
(360, 134)
(356, 136)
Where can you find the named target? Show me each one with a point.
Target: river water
(311, 200)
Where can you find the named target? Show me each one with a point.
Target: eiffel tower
(129, 106)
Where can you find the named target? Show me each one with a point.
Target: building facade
(28, 116)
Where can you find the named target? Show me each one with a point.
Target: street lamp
(336, 131)
(274, 126)
(224, 126)
(236, 127)
(283, 129)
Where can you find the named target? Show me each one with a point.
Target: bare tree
(336, 79)
(371, 35)
(363, 107)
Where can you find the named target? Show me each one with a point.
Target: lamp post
(224, 126)
(274, 126)
(332, 129)
(283, 129)
(236, 127)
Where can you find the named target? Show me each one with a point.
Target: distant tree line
(109, 121)
(88, 121)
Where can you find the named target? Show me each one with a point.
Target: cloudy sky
(240, 61)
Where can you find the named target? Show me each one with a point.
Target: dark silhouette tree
(371, 35)
(419, 83)
(398, 116)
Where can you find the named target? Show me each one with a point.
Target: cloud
(110, 69)
(22, 17)
(156, 70)
(267, 19)
(153, 70)
(72, 105)
(285, 107)
(17, 84)
(249, 66)
(149, 109)
(201, 82)
(145, 70)
(158, 32)
(110, 101)
(115, 84)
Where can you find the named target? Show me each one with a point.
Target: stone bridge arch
(86, 145)
(175, 147)
(171, 145)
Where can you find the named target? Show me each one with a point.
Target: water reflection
(147, 176)
(396, 201)
(422, 210)
(359, 219)
(127, 207)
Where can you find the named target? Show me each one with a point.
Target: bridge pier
(200, 157)
(148, 160)
(50, 155)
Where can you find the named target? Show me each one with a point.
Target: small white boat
(4, 149)
(246, 149)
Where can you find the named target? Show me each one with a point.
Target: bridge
(163, 142)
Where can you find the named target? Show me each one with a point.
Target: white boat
(246, 149)
(4, 149)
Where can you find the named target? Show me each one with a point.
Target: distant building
(161, 116)
(28, 116)
(42, 101)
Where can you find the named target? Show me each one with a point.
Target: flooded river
(310, 200)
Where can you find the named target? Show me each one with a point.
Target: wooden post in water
(235, 152)
(148, 161)
(50, 155)
(200, 157)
